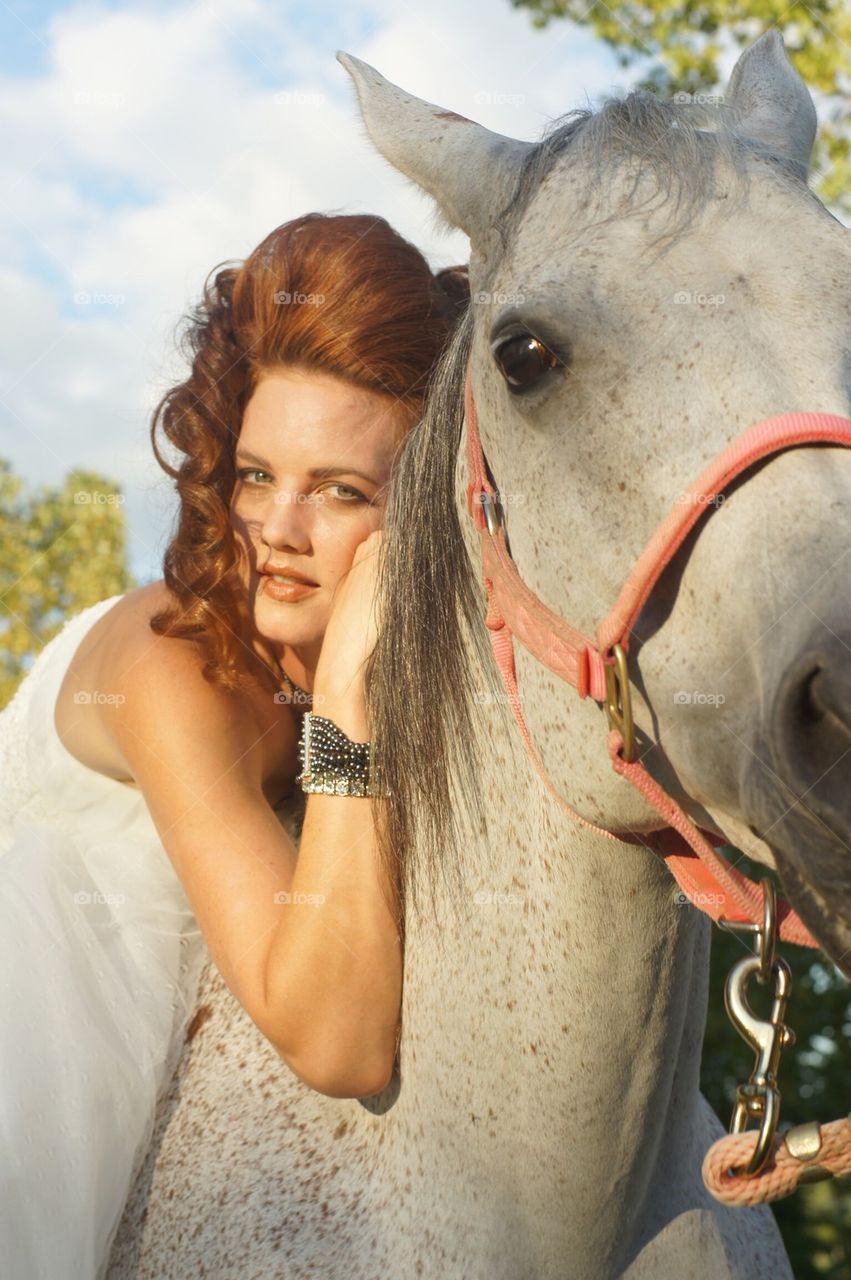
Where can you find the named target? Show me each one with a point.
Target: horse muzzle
(803, 795)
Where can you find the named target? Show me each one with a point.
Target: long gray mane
(420, 695)
(419, 680)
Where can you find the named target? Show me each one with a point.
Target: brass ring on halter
(619, 701)
(492, 510)
(767, 935)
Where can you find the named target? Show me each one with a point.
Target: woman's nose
(287, 521)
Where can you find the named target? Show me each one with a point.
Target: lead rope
(808, 1153)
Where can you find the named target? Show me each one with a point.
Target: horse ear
(470, 172)
(771, 104)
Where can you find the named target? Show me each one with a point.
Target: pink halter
(592, 667)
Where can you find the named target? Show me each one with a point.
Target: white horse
(546, 1120)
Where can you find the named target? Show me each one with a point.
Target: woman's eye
(349, 494)
(249, 471)
(524, 359)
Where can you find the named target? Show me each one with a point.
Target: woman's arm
(320, 978)
(334, 969)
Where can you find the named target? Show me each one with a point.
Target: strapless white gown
(100, 957)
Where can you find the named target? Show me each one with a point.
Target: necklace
(301, 698)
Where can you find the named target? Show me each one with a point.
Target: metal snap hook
(759, 1098)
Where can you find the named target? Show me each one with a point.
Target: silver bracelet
(331, 763)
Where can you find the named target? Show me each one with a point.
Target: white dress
(100, 957)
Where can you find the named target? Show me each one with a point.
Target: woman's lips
(288, 591)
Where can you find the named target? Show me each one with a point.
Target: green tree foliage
(813, 1079)
(679, 43)
(61, 549)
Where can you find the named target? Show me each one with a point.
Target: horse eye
(523, 360)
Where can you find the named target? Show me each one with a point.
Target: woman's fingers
(368, 547)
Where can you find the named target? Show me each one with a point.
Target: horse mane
(676, 144)
(420, 682)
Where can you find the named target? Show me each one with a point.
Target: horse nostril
(809, 730)
(812, 708)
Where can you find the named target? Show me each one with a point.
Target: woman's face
(313, 461)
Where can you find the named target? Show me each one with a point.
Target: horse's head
(647, 282)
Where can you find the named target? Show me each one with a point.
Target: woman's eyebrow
(316, 473)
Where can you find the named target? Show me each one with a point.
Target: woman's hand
(352, 628)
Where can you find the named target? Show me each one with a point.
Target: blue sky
(24, 41)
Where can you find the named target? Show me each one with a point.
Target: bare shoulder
(168, 718)
(142, 665)
(123, 676)
(88, 694)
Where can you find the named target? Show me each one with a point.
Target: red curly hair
(379, 318)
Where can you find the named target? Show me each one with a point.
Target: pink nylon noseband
(513, 610)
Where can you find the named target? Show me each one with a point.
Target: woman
(148, 748)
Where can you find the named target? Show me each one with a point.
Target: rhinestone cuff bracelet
(331, 764)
